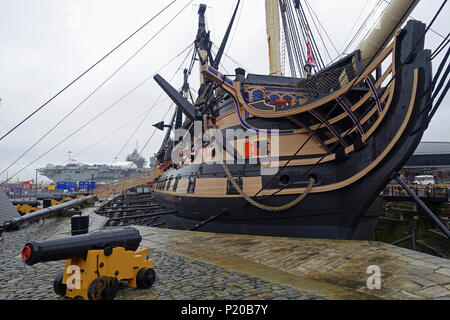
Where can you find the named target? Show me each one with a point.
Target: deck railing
(431, 192)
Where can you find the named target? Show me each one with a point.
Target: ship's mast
(396, 14)
(273, 36)
(202, 42)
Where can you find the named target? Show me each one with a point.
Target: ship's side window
(191, 185)
(230, 187)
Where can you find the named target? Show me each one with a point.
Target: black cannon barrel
(29, 202)
(76, 246)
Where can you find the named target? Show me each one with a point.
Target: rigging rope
(173, 76)
(321, 25)
(296, 46)
(85, 72)
(109, 134)
(299, 37)
(259, 205)
(363, 25)
(351, 128)
(121, 98)
(311, 35)
(432, 30)
(353, 28)
(97, 89)
(154, 104)
(441, 47)
(263, 206)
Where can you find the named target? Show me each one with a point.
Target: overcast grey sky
(45, 44)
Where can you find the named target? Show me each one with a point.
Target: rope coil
(263, 206)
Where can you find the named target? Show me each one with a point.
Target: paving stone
(444, 271)
(438, 278)
(424, 264)
(425, 282)
(434, 292)
(444, 263)
(338, 263)
(419, 271)
(417, 255)
(405, 295)
(406, 259)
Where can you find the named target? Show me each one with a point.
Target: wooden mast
(273, 36)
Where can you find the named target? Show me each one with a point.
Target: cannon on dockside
(95, 262)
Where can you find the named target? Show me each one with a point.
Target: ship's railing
(103, 191)
(430, 192)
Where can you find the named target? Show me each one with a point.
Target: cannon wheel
(103, 288)
(145, 278)
(58, 286)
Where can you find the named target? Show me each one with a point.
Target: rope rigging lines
(86, 71)
(93, 92)
(435, 93)
(363, 26)
(299, 37)
(157, 101)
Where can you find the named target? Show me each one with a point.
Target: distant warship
(100, 173)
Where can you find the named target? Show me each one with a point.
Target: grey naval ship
(100, 173)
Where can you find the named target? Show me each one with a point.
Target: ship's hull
(321, 216)
(342, 203)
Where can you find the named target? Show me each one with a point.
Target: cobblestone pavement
(178, 278)
(19, 281)
(331, 268)
(200, 265)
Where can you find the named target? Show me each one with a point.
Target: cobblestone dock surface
(332, 269)
(202, 266)
(19, 281)
(178, 278)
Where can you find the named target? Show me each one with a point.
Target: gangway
(119, 186)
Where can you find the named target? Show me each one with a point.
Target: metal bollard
(79, 224)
